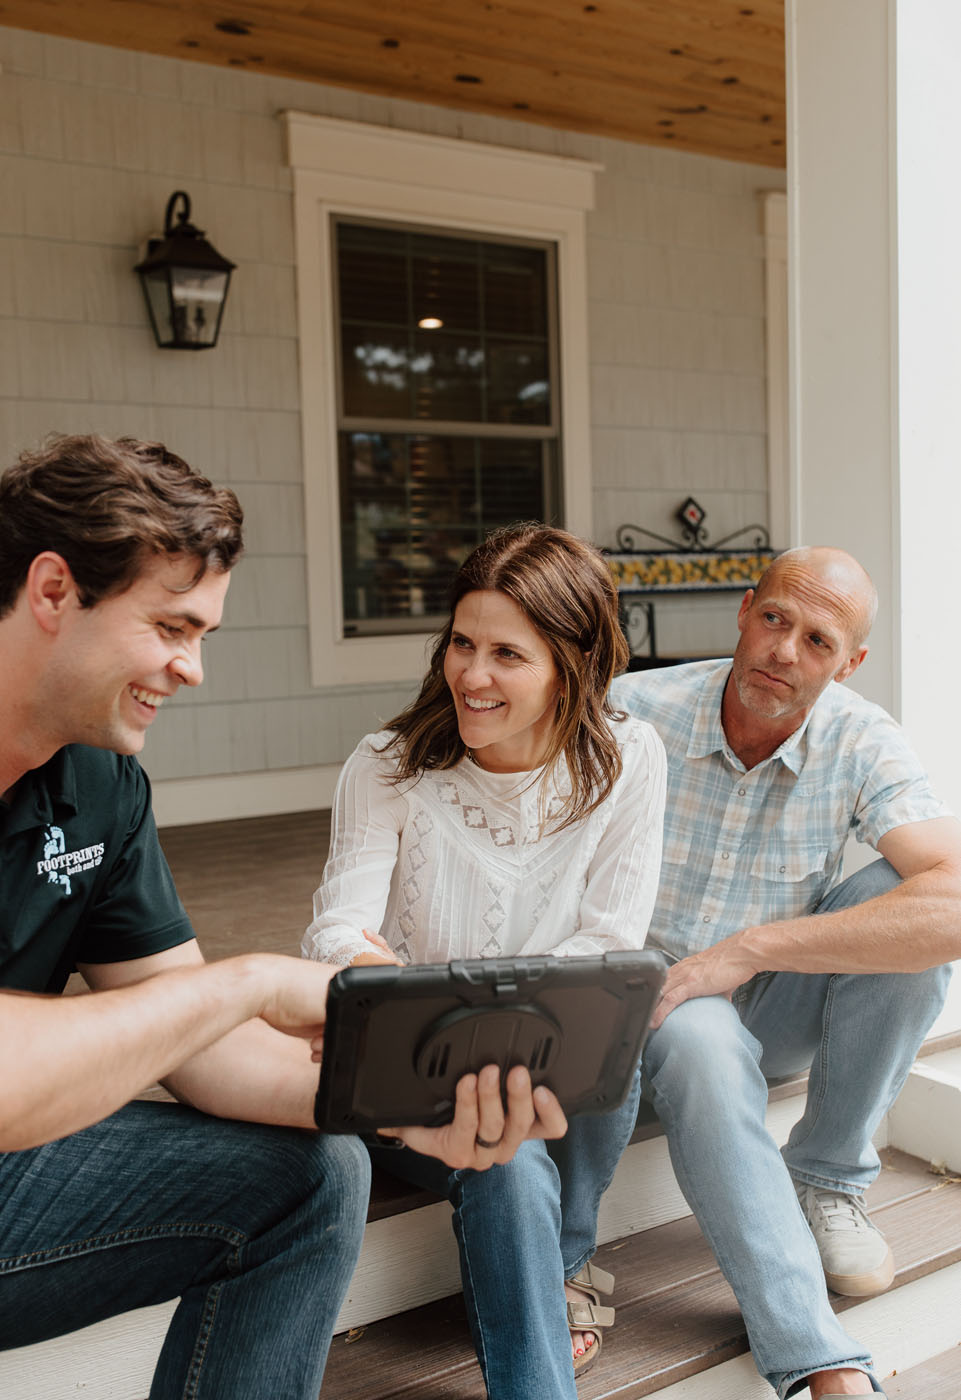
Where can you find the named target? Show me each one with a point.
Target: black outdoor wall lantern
(185, 282)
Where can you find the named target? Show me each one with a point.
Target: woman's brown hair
(564, 588)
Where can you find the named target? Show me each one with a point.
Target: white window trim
(349, 168)
(782, 509)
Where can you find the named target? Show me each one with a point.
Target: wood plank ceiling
(695, 75)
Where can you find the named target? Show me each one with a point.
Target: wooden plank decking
(676, 1314)
(937, 1379)
(248, 884)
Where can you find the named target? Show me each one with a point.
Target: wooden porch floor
(248, 884)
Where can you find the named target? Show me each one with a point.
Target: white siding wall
(93, 141)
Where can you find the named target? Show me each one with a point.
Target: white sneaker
(857, 1258)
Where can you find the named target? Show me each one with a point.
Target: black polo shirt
(82, 875)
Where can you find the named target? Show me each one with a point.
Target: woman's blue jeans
(705, 1072)
(522, 1229)
(255, 1229)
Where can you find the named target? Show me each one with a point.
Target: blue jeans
(705, 1071)
(255, 1229)
(522, 1229)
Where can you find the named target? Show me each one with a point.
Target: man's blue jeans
(255, 1229)
(705, 1071)
(522, 1229)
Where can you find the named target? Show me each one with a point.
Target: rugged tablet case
(397, 1040)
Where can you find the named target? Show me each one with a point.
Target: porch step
(411, 1225)
(937, 1379)
(407, 1223)
(676, 1316)
(114, 1360)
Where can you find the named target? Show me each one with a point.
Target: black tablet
(397, 1040)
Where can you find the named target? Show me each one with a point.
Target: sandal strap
(584, 1316)
(592, 1276)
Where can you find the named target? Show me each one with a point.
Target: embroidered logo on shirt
(60, 865)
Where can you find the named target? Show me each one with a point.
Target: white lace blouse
(455, 864)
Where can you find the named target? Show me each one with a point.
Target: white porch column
(875, 306)
(875, 288)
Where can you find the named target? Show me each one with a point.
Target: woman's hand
(481, 1134)
(384, 953)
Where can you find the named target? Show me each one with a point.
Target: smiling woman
(509, 810)
(554, 595)
(503, 682)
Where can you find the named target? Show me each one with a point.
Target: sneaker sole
(862, 1285)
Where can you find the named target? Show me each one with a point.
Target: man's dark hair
(106, 507)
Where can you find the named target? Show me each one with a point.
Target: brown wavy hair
(105, 506)
(564, 588)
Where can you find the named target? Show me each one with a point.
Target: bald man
(783, 966)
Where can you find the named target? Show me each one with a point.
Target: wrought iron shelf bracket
(690, 564)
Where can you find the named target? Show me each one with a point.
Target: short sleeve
(136, 910)
(892, 786)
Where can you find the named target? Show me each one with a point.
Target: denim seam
(825, 1183)
(813, 1106)
(852, 1363)
(775, 1379)
(812, 1110)
(480, 1341)
(592, 1249)
(134, 1234)
(779, 1381)
(199, 1355)
(584, 1259)
(602, 1187)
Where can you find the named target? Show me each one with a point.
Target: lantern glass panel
(198, 299)
(158, 300)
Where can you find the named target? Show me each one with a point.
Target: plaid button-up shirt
(745, 847)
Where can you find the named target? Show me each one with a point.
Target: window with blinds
(447, 412)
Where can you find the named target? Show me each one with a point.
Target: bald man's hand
(716, 971)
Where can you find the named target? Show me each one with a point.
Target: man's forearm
(80, 1058)
(908, 929)
(254, 1074)
(911, 928)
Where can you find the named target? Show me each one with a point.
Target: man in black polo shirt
(115, 560)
